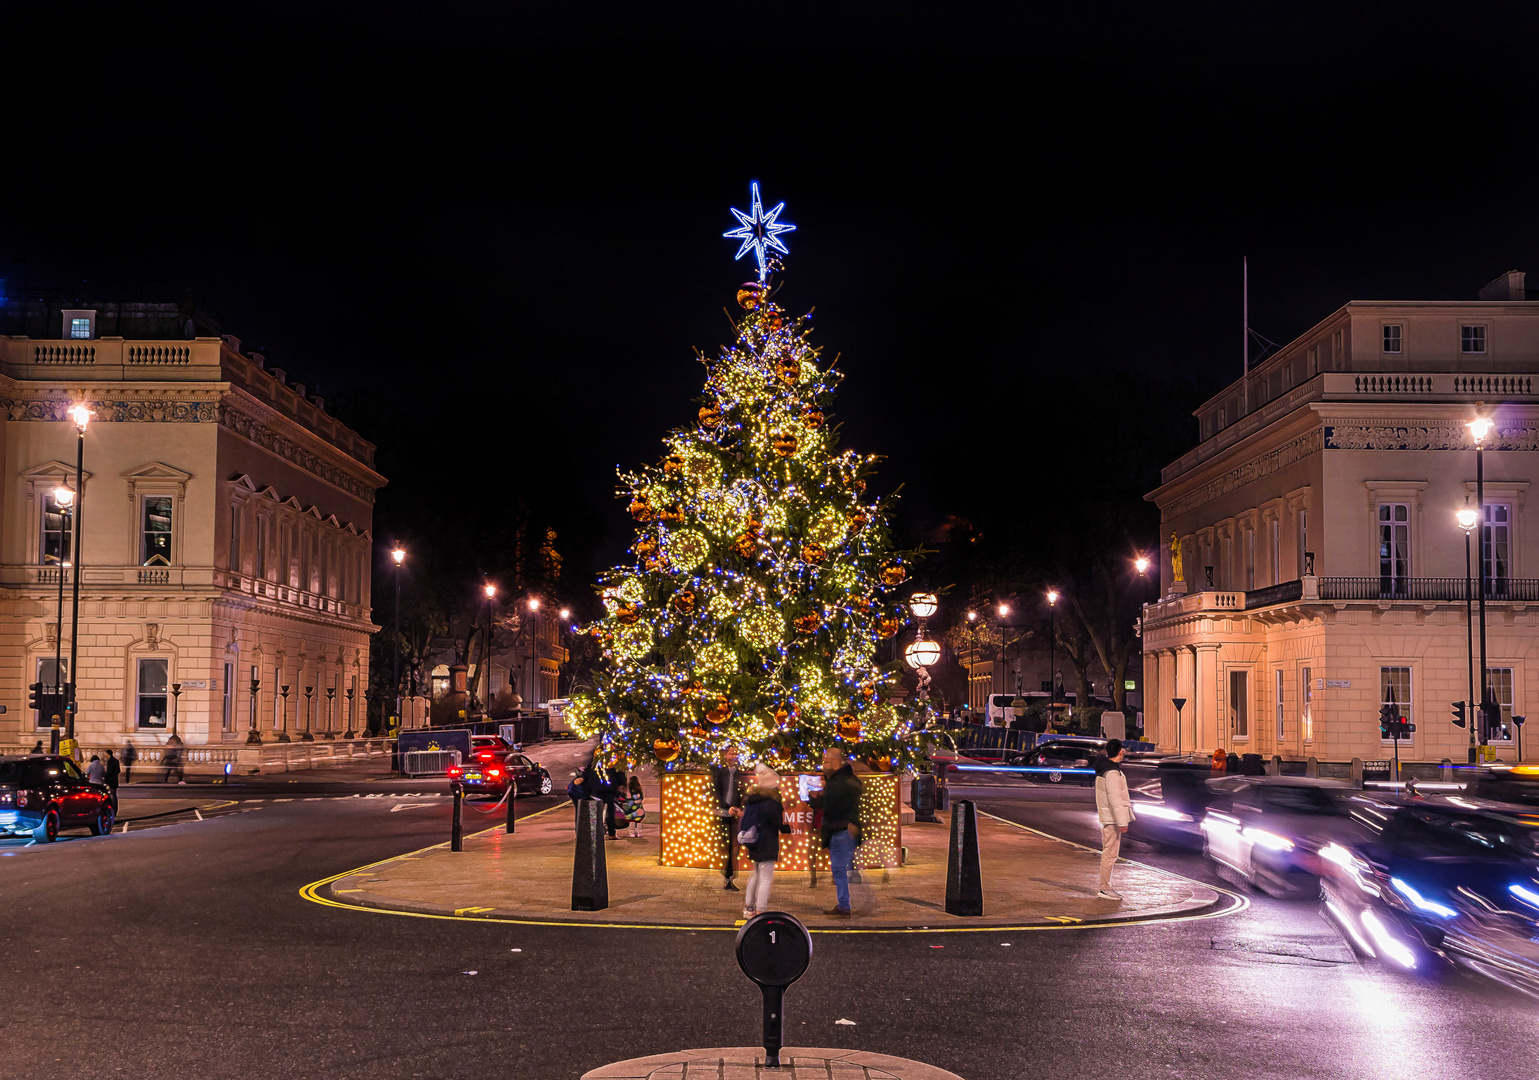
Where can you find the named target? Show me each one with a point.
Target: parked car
(1459, 880)
(43, 794)
(1267, 831)
(493, 762)
(1065, 759)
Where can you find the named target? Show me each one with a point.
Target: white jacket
(1113, 805)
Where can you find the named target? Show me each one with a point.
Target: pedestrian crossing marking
(457, 911)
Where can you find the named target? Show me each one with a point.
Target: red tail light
(455, 770)
(494, 771)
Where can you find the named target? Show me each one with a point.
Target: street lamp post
(486, 682)
(1468, 519)
(176, 696)
(331, 707)
(1480, 427)
(398, 556)
(972, 655)
(532, 685)
(1004, 610)
(283, 730)
(1052, 666)
(254, 737)
(309, 735)
(81, 414)
(351, 732)
(63, 498)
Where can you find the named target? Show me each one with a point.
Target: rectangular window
(1303, 540)
(1499, 682)
(1496, 548)
(152, 692)
(1394, 548)
(1395, 689)
(1312, 358)
(155, 531)
(1338, 354)
(1279, 704)
(1239, 704)
(277, 680)
(1391, 337)
(1472, 339)
(80, 329)
(235, 539)
(52, 679)
(1250, 558)
(229, 697)
(1275, 528)
(54, 548)
(261, 547)
(1306, 703)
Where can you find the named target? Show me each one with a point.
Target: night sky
(505, 220)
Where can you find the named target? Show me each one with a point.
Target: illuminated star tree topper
(759, 230)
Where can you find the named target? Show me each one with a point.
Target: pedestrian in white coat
(1114, 808)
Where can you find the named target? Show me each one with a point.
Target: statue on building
(1176, 573)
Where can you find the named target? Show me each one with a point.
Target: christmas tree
(763, 580)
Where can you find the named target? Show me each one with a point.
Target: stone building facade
(1324, 569)
(225, 530)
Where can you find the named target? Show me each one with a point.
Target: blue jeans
(841, 854)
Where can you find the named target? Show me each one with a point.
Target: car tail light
(454, 771)
(6, 798)
(21, 798)
(485, 755)
(494, 771)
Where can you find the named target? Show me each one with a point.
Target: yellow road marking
(457, 911)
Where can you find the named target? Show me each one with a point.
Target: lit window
(1279, 672)
(1472, 339)
(1306, 703)
(1392, 337)
(152, 692)
(80, 329)
(1496, 548)
(1239, 704)
(155, 547)
(54, 548)
(1395, 688)
(1499, 682)
(1394, 547)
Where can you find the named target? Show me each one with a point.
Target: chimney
(1507, 287)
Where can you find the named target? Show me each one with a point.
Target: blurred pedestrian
(840, 802)
(96, 772)
(584, 786)
(171, 761)
(635, 809)
(130, 755)
(1114, 809)
(613, 791)
(37, 747)
(112, 767)
(1219, 760)
(727, 780)
(759, 831)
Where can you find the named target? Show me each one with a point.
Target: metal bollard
(512, 801)
(922, 798)
(456, 841)
(590, 877)
(1445, 770)
(1357, 772)
(1311, 766)
(964, 876)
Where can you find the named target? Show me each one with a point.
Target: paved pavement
(747, 1063)
(1029, 880)
(188, 951)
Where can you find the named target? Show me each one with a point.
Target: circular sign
(773, 948)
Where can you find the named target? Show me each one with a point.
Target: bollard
(1276, 766)
(773, 949)
(964, 877)
(921, 796)
(590, 878)
(456, 838)
(1357, 772)
(1311, 766)
(942, 792)
(1445, 771)
(512, 800)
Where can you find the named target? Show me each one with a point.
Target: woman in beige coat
(1114, 808)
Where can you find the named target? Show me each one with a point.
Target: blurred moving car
(1455, 877)
(1267, 831)
(494, 763)
(1169, 800)
(43, 794)
(1063, 759)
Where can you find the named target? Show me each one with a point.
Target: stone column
(1151, 683)
(1205, 688)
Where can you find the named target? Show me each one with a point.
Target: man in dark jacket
(727, 779)
(113, 767)
(840, 803)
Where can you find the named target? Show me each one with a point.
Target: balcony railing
(1501, 590)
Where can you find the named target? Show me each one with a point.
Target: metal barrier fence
(428, 762)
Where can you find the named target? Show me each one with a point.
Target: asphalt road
(187, 951)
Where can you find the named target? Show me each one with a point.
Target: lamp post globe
(923, 604)
(1141, 564)
(921, 654)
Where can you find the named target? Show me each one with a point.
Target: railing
(1523, 590)
(1393, 384)
(428, 762)
(154, 577)
(1284, 593)
(1493, 384)
(157, 353)
(64, 354)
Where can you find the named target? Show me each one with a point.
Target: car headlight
(1268, 840)
(1408, 891)
(1156, 810)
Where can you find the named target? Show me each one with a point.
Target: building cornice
(267, 428)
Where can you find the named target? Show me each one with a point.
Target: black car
(493, 762)
(1064, 760)
(43, 794)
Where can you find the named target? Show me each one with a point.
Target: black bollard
(590, 878)
(512, 801)
(773, 949)
(456, 841)
(964, 877)
(922, 798)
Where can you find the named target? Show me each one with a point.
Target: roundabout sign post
(773, 949)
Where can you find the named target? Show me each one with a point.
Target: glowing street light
(1141, 564)
(566, 613)
(921, 653)
(534, 603)
(80, 415)
(397, 556)
(923, 604)
(1480, 427)
(1052, 668)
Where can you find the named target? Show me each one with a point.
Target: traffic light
(1389, 721)
(1458, 714)
(34, 694)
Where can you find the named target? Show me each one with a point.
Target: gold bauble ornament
(710, 416)
(641, 507)
(789, 368)
(646, 547)
(891, 626)
(813, 553)
(783, 444)
(858, 520)
(746, 545)
(893, 573)
(809, 623)
(748, 294)
(666, 749)
(720, 711)
(849, 727)
(627, 614)
(813, 417)
(673, 464)
(684, 603)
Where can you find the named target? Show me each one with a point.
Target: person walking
(840, 832)
(759, 829)
(171, 761)
(96, 772)
(130, 755)
(1114, 809)
(635, 811)
(583, 786)
(727, 781)
(37, 747)
(112, 767)
(614, 791)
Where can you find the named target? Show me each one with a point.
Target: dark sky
(509, 215)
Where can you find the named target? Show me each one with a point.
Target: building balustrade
(1450, 590)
